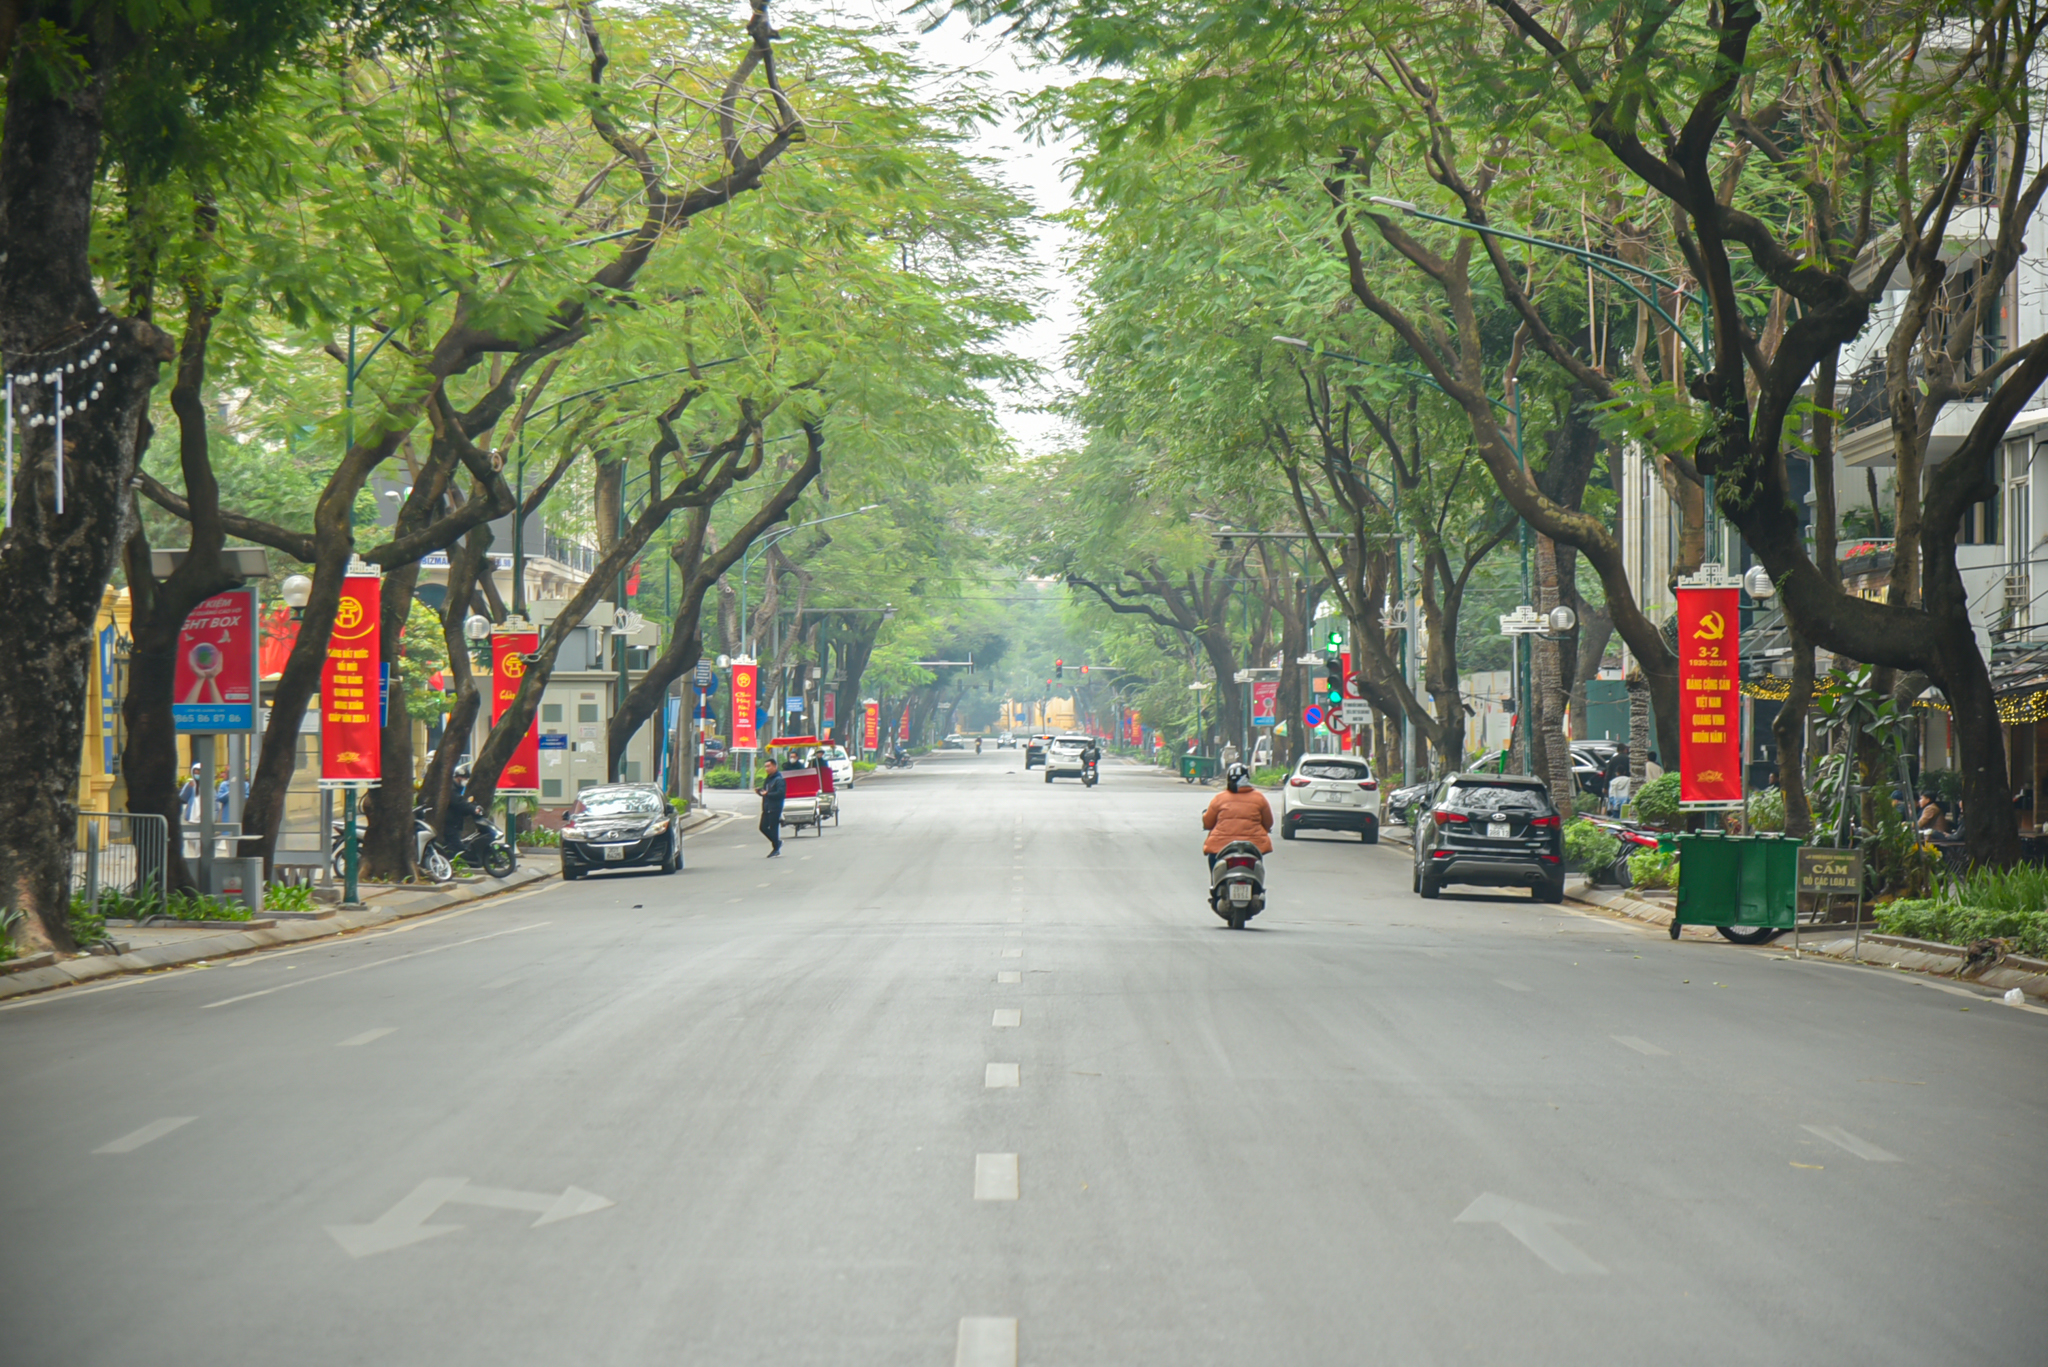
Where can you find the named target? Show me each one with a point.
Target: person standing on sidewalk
(771, 792)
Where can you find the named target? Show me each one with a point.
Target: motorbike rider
(1091, 754)
(1240, 812)
(977, 745)
(461, 811)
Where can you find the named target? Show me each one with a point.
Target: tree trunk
(387, 847)
(54, 565)
(1789, 729)
(1552, 687)
(1638, 733)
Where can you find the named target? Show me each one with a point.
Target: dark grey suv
(1493, 830)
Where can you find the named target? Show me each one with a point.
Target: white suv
(1063, 756)
(1331, 793)
(841, 764)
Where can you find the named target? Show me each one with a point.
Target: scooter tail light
(1239, 861)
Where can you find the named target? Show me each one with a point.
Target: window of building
(551, 711)
(586, 711)
(551, 787)
(1980, 524)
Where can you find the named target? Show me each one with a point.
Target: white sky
(1031, 169)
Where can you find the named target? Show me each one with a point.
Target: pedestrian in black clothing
(771, 793)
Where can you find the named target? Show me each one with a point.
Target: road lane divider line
(1013, 953)
(367, 1037)
(396, 958)
(1007, 1018)
(154, 1130)
(986, 1341)
(1003, 1075)
(1641, 1046)
(1862, 1148)
(1511, 985)
(1009, 975)
(995, 1177)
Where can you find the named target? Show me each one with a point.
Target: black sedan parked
(620, 826)
(1495, 830)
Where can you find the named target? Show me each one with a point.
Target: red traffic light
(1084, 669)
(1057, 664)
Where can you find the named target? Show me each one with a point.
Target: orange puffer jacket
(1242, 815)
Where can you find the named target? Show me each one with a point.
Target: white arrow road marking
(995, 1177)
(367, 1037)
(986, 1342)
(1642, 1046)
(406, 1222)
(1002, 1075)
(155, 1129)
(1862, 1148)
(1535, 1229)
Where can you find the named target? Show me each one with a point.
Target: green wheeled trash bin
(1745, 886)
(1197, 768)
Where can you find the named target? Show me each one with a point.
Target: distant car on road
(713, 751)
(1006, 741)
(1495, 830)
(1034, 751)
(1063, 756)
(1331, 793)
(620, 826)
(956, 741)
(841, 764)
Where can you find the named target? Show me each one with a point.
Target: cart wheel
(1674, 927)
(1749, 935)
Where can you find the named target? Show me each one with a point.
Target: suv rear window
(1500, 797)
(1341, 770)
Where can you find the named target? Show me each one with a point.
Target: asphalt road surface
(977, 1078)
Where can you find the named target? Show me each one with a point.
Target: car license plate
(615, 851)
(1496, 830)
(1240, 892)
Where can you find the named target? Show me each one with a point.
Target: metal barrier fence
(124, 852)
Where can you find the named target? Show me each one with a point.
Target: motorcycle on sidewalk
(427, 853)
(485, 847)
(1237, 883)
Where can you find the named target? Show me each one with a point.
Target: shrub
(1588, 804)
(1961, 923)
(1654, 869)
(181, 906)
(1589, 849)
(1767, 810)
(288, 897)
(863, 766)
(538, 837)
(1270, 777)
(724, 778)
(88, 927)
(1657, 803)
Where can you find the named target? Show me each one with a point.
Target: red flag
(633, 580)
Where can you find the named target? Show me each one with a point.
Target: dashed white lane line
(986, 1341)
(1511, 985)
(379, 963)
(1007, 1018)
(1013, 954)
(1009, 975)
(1003, 1075)
(368, 1036)
(1641, 1046)
(154, 1130)
(1862, 1148)
(995, 1177)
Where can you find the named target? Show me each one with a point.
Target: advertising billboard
(1709, 696)
(509, 650)
(351, 744)
(214, 688)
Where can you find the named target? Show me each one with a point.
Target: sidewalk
(146, 948)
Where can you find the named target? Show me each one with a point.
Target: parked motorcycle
(485, 847)
(1237, 883)
(426, 851)
(895, 759)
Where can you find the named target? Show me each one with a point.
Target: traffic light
(1336, 642)
(1333, 684)
(1084, 670)
(1059, 669)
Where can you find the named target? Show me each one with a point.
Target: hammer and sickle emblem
(1711, 627)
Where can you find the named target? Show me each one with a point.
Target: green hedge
(1658, 801)
(1587, 848)
(1956, 923)
(724, 778)
(1653, 869)
(1269, 778)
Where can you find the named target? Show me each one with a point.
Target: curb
(83, 968)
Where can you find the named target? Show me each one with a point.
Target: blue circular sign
(1312, 715)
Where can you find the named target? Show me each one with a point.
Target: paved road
(744, 1115)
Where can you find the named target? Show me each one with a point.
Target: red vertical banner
(831, 709)
(903, 727)
(351, 749)
(871, 726)
(509, 650)
(1709, 695)
(746, 681)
